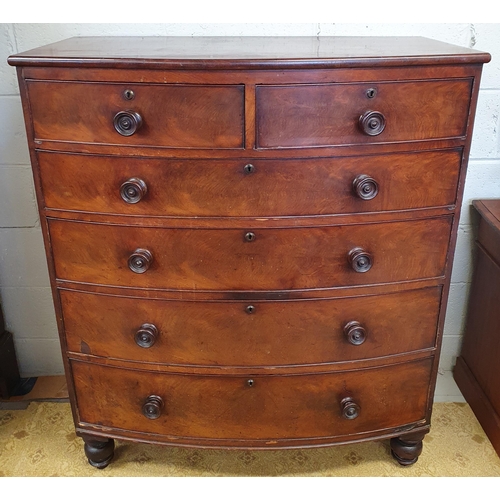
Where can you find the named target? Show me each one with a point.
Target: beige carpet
(40, 441)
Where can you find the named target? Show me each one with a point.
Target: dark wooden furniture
(250, 239)
(9, 369)
(476, 371)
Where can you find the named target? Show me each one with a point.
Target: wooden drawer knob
(350, 410)
(355, 333)
(140, 261)
(146, 335)
(360, 260)
(127, 122)
(153, 407)
(365, 187)
(372, 123)
(133, 190)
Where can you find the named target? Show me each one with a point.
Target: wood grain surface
(225, 333)
(273, 187)
(277, 259)
(195, 116)
(273, 407)
(322, 115)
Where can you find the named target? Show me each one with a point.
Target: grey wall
(24, 282)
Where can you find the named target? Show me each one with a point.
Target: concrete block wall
(24, 282)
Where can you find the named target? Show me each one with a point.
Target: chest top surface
(247, 52)
(490, 210)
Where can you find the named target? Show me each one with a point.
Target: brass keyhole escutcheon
(128, 94)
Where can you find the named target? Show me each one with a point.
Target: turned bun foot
(99, 451)
(407, 449)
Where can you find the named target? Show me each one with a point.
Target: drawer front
(182, 116)
(250, 333)
(328, 115)
(249, 187)
(269, 407)
(258, 259)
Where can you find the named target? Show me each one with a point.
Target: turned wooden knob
(360, 260)
(133, 190)
(355, 333)
(372, 123)
(152, 407)
(350, 410)
(140, 261)
(365, 187)
(127, 122)
(146, 335)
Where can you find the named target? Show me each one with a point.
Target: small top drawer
(180, 116)
(298, 116)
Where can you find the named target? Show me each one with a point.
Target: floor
(40, 441)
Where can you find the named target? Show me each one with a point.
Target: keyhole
(128, 94)
(371, 93)
(250, 236)
(249, 169)
(250, 383)
(250, 309)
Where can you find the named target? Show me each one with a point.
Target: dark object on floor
(11, 383)
(476, 371)
(46, 388)
(24, 386)
(9, 370)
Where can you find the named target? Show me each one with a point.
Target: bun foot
(99, 451)
(407, 449)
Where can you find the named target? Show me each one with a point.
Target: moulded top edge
(247, 52)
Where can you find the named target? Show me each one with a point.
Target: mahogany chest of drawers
(250, 240)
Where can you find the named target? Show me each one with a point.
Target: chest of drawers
(250, 240)
(476, 370)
